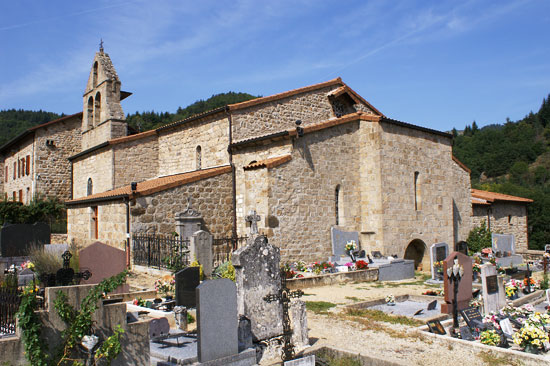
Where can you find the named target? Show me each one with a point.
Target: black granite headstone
(432, 305)
(16, 240)
(469, 315)
(466, 333)
(492, 284)
(187, 281)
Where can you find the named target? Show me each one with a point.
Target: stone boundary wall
(362, 359)
(531, 255)
(365, 275)
(58, 239)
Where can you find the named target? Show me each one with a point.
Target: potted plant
(530, 338)
(390, 300)
(165, 286)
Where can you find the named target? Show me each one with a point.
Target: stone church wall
(135, 161)
(212, 197)
(52, 161)
(302, 192)
(99, 166)
(280, 115)
(405, 153)
(462, 202)
(504, 218)
(178, 146)
(111, 224)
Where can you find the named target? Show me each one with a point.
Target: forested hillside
(15, 121)
(513, 158)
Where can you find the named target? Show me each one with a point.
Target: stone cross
(253, 219)
(284, 297)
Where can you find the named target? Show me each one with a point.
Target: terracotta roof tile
(337, 121)
(269, 163)
(154, 185)
(493, 196)
(55, 121)
(137, 136)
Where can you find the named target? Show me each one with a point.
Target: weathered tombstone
(187, 281)
(17, 239)
(339, 240)
(462, 247)
(201, 244)
(470, 316)
(464, 287)
(257, 275)
(216, 320)
(503, 243)
(159, 327)
(438, 253)
(188, 222)
(103, 261)
(494, 297)
(304, 361)
(25, 277)
(180, 316)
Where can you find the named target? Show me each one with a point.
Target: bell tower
(103, 118)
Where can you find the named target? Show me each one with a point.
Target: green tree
(479, 238)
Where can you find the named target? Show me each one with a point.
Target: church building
(305, 160)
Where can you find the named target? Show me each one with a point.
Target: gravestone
(201, 248)
(494, 297)
(103, 261)
(339, 240)
(25, 276)
(304, 361)
(257, 276)
(436, 327)
(188, 222)
(462, 247)
(16, 240)
(432, 305)
(187, 281)
(216, 320)
(471, 316)
(438, 252)
(503, 243)
(464, 287)
(245, 333)
(466, 333)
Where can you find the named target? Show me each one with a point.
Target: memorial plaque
(506, 327)
(435, 327)
(492, 285)
(432, 305)
(440, 253)
(469, 315)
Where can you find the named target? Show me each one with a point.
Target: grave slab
(103, 261)
(339, 241)
(187, 281)
(397, 269)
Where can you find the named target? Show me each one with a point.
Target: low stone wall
(58, 239)
(531, 255)
(366, 275)
(363, 360)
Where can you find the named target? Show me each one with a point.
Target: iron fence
(153, 250)
(9, 304)
(223, 247)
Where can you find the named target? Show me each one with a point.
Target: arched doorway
(416, 251)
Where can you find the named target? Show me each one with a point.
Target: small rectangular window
(14, 196)
(14, 170)
(23, 167)
(18, 168)
(6, 176)
(28, 165)
(21, 195)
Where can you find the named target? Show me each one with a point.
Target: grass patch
(319, 307)
(489, 358)
(353, 298)
(380, 316)
(338, 361)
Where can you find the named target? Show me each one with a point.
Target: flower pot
(532, 349)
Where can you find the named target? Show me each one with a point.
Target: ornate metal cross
(284, 297)
(253, 219)
(65, 275)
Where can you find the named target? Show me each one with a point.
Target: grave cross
(253, 219)
(284, 297)
(64, 276)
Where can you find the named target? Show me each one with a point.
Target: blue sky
(438, 64)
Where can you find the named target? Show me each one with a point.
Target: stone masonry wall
(22, 181)
(111, 224)
(404, 152)
(178, 146)
(462, 202)
(98, 166)
(250, 184)
(51, 161)
(136, 161)
(280, 115)
(211, 197)
(103, 132)
(302, 192)
(504, 218)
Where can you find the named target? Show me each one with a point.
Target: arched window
(90, 114)
(97, 108)
(417, 201)
(94, 77)
(338, 205)
(90, 188)
(198, 163)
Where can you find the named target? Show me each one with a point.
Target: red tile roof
(485, 197)
(357, 116)
(269, 163)
(55, 121)
(154, 185)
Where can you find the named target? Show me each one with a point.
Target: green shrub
(45, 262)
(479, 238)
(225, 270)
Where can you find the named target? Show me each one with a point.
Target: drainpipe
(126, 202)
(233, 177)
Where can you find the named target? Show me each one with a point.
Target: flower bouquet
(165, 285)
(28, 264)
(390, 300)
(489, 337)
(361, 264)
(512, 288)
(530, 338)
(351, 246)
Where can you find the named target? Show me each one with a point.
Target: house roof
(30, 130)
(485, 197)
(153, 185)
(269, 163)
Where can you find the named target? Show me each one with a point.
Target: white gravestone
(494, 297)
(438, 252)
